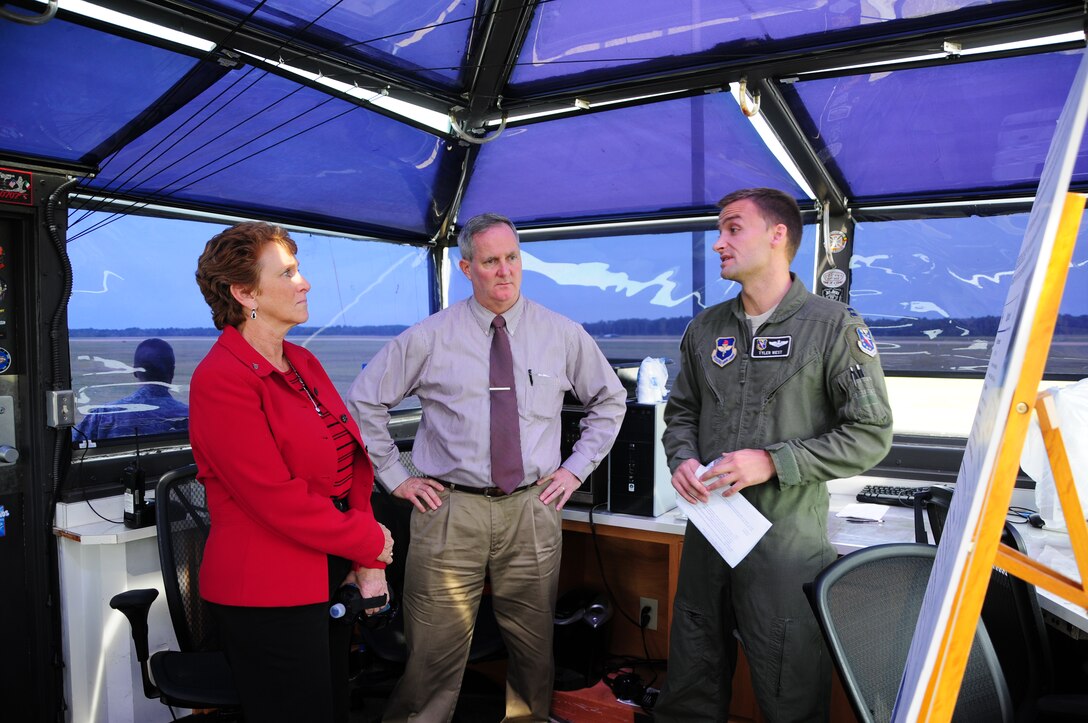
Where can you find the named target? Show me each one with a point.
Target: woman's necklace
(302, 383)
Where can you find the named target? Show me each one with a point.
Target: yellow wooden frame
(942, 686)
(1019, 564)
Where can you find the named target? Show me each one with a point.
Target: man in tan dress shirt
(463, 526)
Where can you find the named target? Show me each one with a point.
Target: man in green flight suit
(779, 391)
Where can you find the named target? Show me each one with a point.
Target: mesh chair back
(868, 604)
(183, 524)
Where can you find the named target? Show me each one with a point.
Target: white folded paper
(732, 525)
(863, 512)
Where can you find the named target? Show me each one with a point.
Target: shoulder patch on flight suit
(861, 342)
(865, 341)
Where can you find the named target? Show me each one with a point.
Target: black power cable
(643, 619)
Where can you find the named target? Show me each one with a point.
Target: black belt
(485, 491)
(340, 503)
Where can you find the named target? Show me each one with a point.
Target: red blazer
(268, 464)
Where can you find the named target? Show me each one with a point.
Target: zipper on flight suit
(745, 360)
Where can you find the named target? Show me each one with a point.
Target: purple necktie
(506, 469)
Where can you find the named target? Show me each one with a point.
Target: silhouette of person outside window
(147, 411)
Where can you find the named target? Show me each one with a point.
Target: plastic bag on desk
(652, 375)
(1072, 405)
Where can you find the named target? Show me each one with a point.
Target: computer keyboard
(889, 495)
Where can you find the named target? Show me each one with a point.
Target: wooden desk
(640, 558)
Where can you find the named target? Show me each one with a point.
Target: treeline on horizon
(674, 326)
(975, 326)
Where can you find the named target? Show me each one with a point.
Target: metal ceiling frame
(789, 58)
(502, 25)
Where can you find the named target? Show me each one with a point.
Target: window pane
(274, 147)
(622, 162)
(48, 111)
(569, 37)
(933, 291)
(428, 38)
(896, 133)
(133, 281)
(632, 293)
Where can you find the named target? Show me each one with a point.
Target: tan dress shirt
(444, 359)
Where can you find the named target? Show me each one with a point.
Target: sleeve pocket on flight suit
(862, 403)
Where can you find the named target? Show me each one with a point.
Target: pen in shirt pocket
(534, 376)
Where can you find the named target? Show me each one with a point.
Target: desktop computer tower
(639, 482)
(594, 490)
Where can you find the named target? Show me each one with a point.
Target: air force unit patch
(725, 350)
(865, 341)
(771, 347)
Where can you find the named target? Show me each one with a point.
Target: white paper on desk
(732, 525)
(863, 512)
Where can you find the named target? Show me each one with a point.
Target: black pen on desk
(530, 377)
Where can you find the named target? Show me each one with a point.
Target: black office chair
(197, 675)
(867, 604)
(1012, 607)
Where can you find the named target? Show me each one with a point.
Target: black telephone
(138, 512)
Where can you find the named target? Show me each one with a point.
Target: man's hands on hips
(561, 485)
(421, 492)
(734, 471)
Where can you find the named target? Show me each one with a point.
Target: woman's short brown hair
(230, 258)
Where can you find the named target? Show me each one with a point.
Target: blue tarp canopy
(394, 119)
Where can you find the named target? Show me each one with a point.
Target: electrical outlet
(648, 602)
(60, 408)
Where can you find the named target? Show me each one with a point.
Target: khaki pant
(517, 540)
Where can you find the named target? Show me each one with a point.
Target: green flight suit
(808, 388)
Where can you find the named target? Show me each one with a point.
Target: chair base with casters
(197, 676)
(867, 604)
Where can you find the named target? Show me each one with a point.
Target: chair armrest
(135, 604)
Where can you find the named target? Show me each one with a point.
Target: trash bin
(581, 638)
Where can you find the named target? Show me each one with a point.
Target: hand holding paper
(731, 524)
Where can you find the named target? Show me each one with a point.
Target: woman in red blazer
(288, 482)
